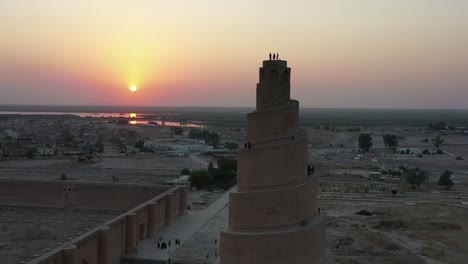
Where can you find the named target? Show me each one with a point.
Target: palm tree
(446, 180)
(416, 177)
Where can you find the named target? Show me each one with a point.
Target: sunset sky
(343, 53)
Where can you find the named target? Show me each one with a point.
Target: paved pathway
(182, 228)
(201, 247)
(203, 162)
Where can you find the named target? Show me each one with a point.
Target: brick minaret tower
(273, 217)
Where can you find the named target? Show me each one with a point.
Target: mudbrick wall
(153, 207)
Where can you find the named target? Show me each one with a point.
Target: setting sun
(133, 88)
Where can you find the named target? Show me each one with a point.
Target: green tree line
(224, 176)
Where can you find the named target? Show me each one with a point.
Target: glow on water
(138, 119)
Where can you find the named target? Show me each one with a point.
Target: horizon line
(219, 107)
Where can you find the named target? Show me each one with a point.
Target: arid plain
(366, 223)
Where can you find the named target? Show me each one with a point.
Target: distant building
(45, 151)
(71, 152)
(181, 146)
(109, 125)
(374, 175)
(181, 180)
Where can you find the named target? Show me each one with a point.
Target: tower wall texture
(273, 216)
(279, 163)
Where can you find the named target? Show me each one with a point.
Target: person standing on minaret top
(270, 55)
(277, 56)
(274, 56)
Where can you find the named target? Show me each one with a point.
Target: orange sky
(366, 53)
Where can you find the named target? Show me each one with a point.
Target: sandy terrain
(393, 233)
(397, 230)
(338, 149)
(151, 169)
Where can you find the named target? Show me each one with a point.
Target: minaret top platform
(275, 63)
(273, 87)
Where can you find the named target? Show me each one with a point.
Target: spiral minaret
(273, 217)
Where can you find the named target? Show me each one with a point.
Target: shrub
(416, 177)
(231, 145)
(365, 142)
(446, 179)
(185, 171)
(200, 178)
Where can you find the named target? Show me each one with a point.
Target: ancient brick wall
(156, 206)
(82, 195)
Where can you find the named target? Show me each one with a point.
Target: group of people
(163, 245)
(249, 146)
(274, 56)
(215, 253)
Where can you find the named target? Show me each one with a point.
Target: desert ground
(391, 232)
(365, 223)
(144, 168)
